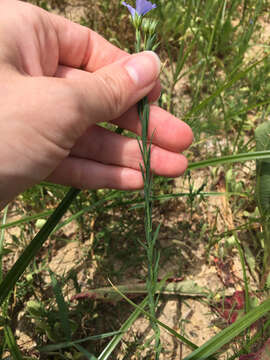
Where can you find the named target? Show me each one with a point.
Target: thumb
(113, 89)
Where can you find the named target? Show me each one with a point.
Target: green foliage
(216, 79)
(62, 307)
(262, 137)
(11, 343)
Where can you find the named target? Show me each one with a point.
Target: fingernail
(143, 68)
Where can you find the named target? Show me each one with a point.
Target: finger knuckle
(113, 94)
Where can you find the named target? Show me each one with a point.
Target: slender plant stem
(152, 254)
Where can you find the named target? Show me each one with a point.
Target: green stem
(152, 256)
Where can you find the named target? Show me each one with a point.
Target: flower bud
(153, 27)
(149, 26)
(137, 20)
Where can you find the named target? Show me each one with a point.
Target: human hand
(58, 80)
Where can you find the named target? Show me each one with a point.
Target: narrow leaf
(32, 249)
(62, 306)
(262, 137)
(166, 327)
(228, 334)
(11, 343)
(106, 353)
(254, 155)
(67, 344)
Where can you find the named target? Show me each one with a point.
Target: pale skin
(58, 80)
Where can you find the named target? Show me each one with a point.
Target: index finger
(83, 48)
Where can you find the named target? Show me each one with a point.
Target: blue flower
(142, 7)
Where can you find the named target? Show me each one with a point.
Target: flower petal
(143, 6)
(130, 8)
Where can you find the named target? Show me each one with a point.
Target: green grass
(216, 81)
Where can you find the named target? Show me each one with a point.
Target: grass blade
(166, 327)
(31, 250)
(26, 219)
(228, 334)
(110, 196)
(106, 353)
(242, 260)
(227, 85)
(254, 155)
(44, 214)
(11, 343)
(62, 306)
(67, 344)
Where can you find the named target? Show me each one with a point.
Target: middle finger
(106, 147)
